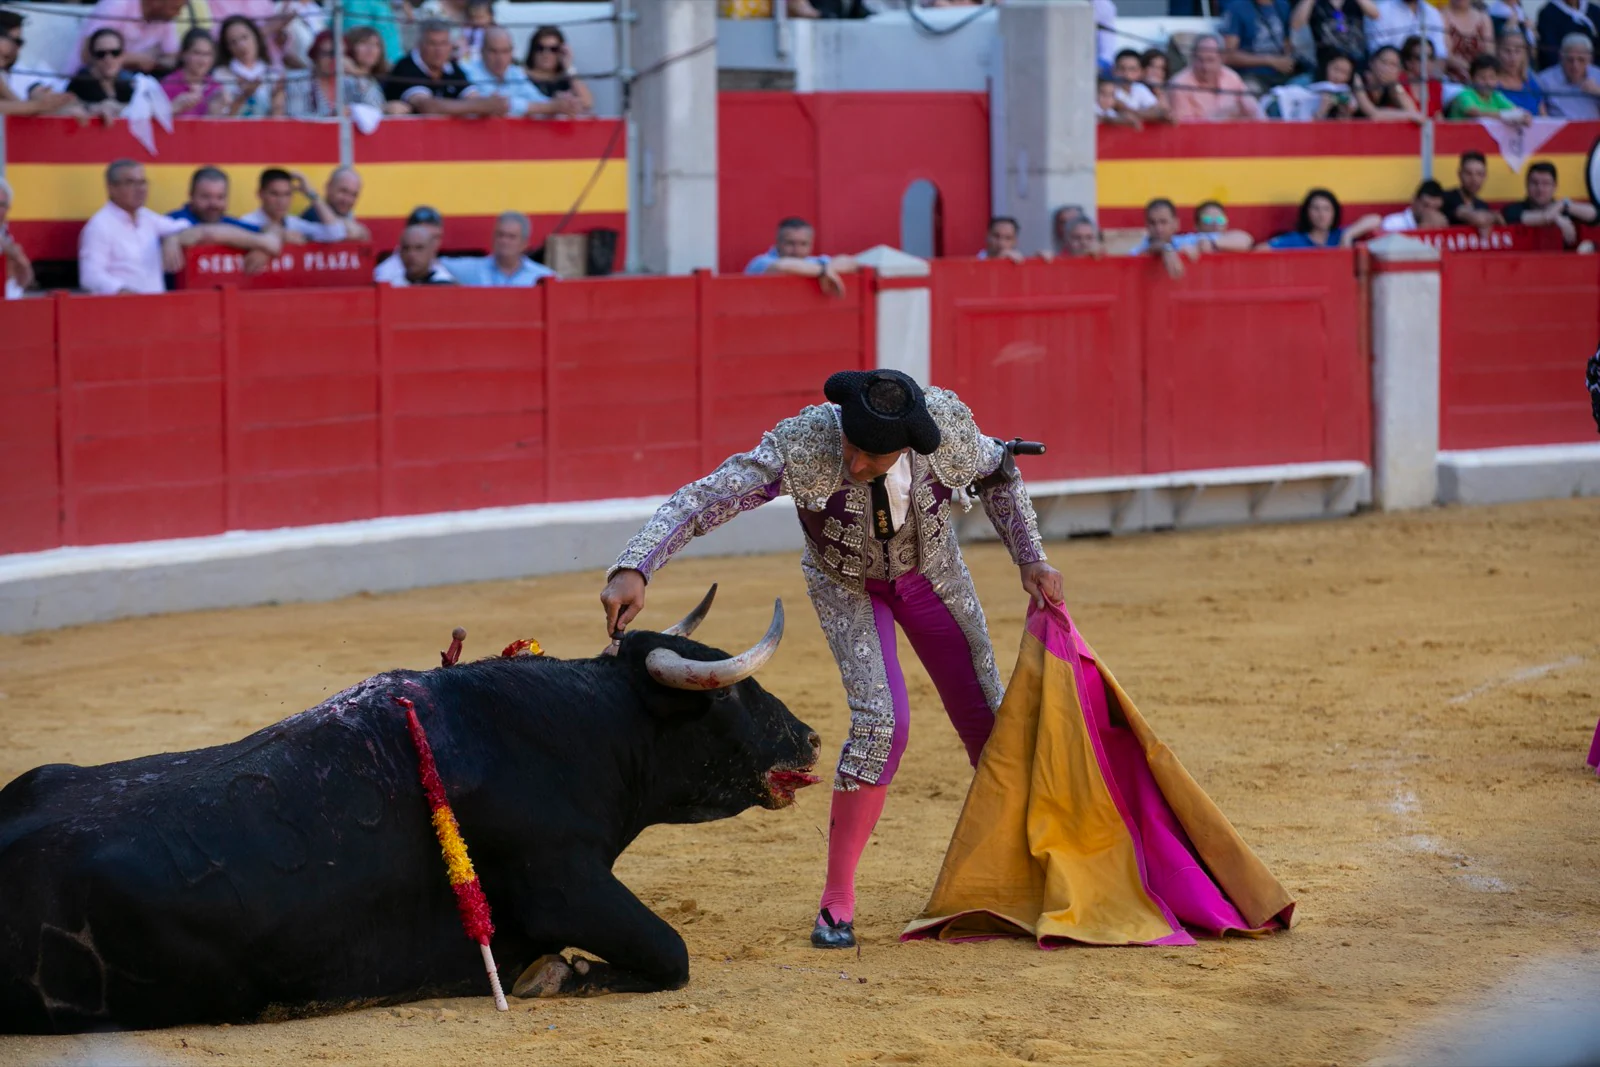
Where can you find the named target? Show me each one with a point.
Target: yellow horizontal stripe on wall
(1284, 180)
(45, 191)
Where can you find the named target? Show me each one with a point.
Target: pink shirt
(115, 252)
(1190, 103)
(126, 17)
(175, 85)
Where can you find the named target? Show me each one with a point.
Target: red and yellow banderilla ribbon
(470, 901)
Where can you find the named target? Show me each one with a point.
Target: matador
(875, 475)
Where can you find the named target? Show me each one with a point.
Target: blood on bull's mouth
(784, 782)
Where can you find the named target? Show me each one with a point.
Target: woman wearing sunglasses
(102, 84)
(550, 68)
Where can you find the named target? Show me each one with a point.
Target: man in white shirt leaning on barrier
(125, 247)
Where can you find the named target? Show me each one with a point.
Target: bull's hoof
(830, 934)
(547, 976)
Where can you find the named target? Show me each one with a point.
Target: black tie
(882, 518)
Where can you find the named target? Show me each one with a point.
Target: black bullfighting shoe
(830, 934)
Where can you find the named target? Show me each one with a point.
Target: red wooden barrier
(307, 266)
(1247, 360)
(30, 471)
(1516, 329)
(193, 413)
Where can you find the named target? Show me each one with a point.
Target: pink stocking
(855, 813)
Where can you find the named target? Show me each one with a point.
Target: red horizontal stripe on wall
(1231, 140)
(425, 140)
(197, 141)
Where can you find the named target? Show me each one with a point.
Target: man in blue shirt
(1256, 41)
(495, 74)
(507, 267)
(208, 201)
(791, 254)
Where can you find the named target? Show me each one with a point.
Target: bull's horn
(686, 625)
(671, 669)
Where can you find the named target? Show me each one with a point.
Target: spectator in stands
(1163, 239)
(550, 68)
(1061, 222)
(1319, 225)
(479, 16)
(1336, 93)
(365, 65)
(124, 245)
(1541, 208)
(508, 265)
(1425, 213)
(315, 96)
(1340, 25)
(1257, 43)
(434, 84)
(1001, 240)
(1483, 98)
(1155, 70)
(392, 269)
(1108, 110)
(1210, 217)
(191, 88)
(276, 192)
(1516, 81)
(251, 88)
(496, 74)
(1572, 89)
(792, 253)
(1132, 94)
(18, 270)
(22, 93)
(1083, 239)
(208, 206)
(1412, 83)
(1207, 91)
(1468, 34)
(374, 20)
(102, 84)
(1560, 18)
(147, 28)
(1399, 20)
(419, 259)
(208, 201)
(339, 196)
(1462, 206)
(1379, 94)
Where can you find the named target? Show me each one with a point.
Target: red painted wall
(1247, 360)
(1516, 330)
(144, 417)
(844, 161)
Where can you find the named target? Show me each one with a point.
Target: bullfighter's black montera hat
(883, 411)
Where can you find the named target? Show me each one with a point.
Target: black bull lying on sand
(296, 870)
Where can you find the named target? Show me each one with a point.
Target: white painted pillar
(1405, 373)
(904, 311)
(1045, 108)
(675, 108)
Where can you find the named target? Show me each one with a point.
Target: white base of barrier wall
(69, 586)
(1530, 472)
(1184, 499)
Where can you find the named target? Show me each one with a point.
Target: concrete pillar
(1042, 103)
(675, 150)
(1405, 373)
(904, 311)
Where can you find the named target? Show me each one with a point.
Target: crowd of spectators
(127, 247)
(278, 58)
(1380, 60)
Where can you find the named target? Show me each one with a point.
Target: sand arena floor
(1394, 711)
